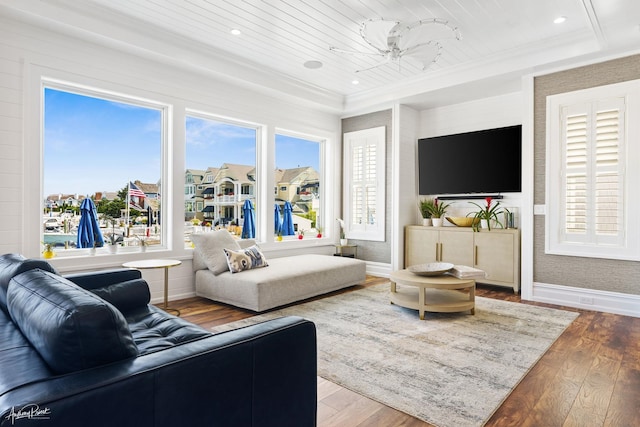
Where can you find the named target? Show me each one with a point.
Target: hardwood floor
(589, 377)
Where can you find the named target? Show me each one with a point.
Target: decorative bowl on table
(462, 221)
(431, 268)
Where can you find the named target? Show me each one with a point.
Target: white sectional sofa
(283, 281)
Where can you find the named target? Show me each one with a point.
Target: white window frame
(371, 139)
(322, 153)
(202, 115)
(626, 245)
(108, 95)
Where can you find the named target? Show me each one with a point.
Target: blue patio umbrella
(277, 220)
(89, 234)
(249, 224)
(287, 220)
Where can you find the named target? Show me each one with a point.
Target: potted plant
(48, 252)
(343, 237)
(113, 239)
(486, 214)
(144, 242)
(319, 230)
(426, 210)
(509, 219)
(438, 211)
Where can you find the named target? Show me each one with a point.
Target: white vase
(113, 248)
(143, 248)
(344, 242)
(484, 224)
(437, 222)
(92, 251)
(426, 222)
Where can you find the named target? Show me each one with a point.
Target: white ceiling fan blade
(375, 66)
(425, 53)
(355, 52)
(428, 29)
(376, 32)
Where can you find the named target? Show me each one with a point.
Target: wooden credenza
(497, 252)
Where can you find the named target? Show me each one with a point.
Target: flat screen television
(485, 161)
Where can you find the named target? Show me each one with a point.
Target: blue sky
(92, 144)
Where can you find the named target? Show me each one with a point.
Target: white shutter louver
(357, 168)
(576, 174)
(608, 191)
(593, 194)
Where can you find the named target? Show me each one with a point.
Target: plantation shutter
(576, 175)
(593, 172)
(371, 184)
(364, 183)
(357, 184)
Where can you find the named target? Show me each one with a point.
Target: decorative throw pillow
(245, 259)
(211, 246)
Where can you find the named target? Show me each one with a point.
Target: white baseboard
(173, 297)
(379, 269)
(588, 299)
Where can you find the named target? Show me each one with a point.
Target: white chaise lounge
(283, 281)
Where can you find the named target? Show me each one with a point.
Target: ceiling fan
(393, 40)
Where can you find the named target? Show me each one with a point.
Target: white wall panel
(487, 113)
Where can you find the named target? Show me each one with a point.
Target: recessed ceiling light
(313, 65)
(236, 32)
(560, 20)
(355, 82)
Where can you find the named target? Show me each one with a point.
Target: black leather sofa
(89, 349)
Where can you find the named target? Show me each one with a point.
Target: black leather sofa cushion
(154, 330)
(126, 296)
(12, 265)
(20, 363)
(71, 328)
(99, 279)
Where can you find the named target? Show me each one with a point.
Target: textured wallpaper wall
(590, 273)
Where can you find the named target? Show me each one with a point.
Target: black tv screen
(486, 161)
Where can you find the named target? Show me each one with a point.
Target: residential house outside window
(592, 184)
(225, 153)
(95, 144)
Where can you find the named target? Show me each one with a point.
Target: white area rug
(449, 369)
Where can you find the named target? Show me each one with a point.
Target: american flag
(135, 191)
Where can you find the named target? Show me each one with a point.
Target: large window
(591, 173)
(221, 156)
(298, 180)
(109, 149)
(115, 150)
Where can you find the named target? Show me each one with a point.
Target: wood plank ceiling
(281, 35)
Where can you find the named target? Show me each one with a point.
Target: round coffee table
(442, 294)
